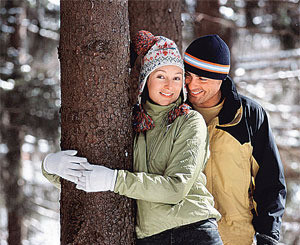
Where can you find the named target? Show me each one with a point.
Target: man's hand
(65, 164)
(96, 178)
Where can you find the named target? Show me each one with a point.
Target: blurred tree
(162, 21)
(11, 132)
(251, 8)
(285, 21)
(96, 116)
(25, 109)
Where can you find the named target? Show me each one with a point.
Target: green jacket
(168, 180)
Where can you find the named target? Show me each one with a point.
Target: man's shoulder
(252, 109)
(251, 104)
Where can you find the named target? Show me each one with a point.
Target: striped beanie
(208, 56)
(157, 51)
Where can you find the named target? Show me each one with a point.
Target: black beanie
(208, 56)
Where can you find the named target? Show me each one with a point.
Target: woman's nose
(168, 83)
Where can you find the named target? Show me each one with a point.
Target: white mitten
(65, 164)
(97, 178)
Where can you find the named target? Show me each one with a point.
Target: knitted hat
(157, 51)
(208, 56)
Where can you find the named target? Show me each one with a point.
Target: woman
(170, 152)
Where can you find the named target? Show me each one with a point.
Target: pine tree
(96, 116)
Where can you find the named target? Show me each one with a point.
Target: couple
(175, 175)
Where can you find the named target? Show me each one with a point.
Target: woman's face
(164, 84)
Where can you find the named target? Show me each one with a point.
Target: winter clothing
(158, 51)
(211, 112)
(168, 181)
(53, 178)
(143, 122)
(169, 157)
(96, 178)
(64, 164)
(208, 56)
(244, 172)
(187, 234)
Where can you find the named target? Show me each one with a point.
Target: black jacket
(244, 172)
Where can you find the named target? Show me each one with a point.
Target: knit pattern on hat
(143, 41)
(157, 51)
(164, 52)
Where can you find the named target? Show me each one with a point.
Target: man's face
(203, 92)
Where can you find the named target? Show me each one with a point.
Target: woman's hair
(145, 95)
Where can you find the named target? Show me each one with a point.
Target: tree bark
(96, 116)
(161, 18)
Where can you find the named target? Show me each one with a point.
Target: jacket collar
(158, 112)
(231, 112)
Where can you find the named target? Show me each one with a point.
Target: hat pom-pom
(143, 41)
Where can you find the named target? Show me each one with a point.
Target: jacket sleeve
(53, 179)
(187, 159)
(270, 189)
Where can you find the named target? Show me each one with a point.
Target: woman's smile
(167, 94)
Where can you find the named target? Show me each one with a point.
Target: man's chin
(191, 98)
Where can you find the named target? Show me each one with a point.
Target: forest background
(264, 39)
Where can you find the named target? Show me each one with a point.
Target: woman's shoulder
(192, 120)
(194, 115)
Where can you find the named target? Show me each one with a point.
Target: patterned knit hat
(157, 51)
(208, 56)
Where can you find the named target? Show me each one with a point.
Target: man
(244, 172)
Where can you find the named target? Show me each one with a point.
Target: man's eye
(177, 78)
(202, 79)
(160, 77)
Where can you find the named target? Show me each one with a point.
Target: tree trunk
(160, 17)
(250, 12)
(10, 130)
(96, 116)
(13, 190)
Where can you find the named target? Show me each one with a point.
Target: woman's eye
(177, 78)
(160, 77)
